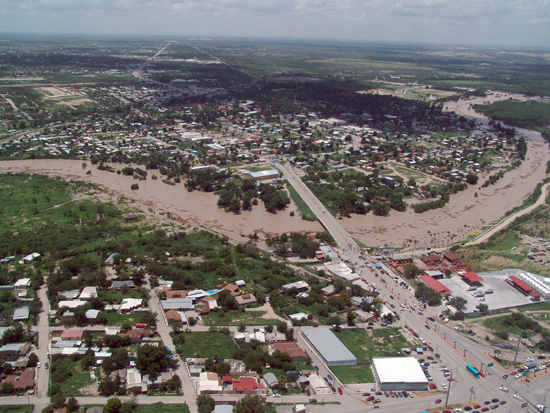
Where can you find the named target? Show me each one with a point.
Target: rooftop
(399, 370)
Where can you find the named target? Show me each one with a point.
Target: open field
(366, 344)
(207, 345)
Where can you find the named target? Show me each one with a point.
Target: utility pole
(449, 390)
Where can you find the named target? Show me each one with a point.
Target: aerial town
(181, 233)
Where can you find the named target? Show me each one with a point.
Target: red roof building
(430, 259)
(451, 256)
(72, 334)
(247, 385)
(472, 277)
(435, 285)
(520, 285)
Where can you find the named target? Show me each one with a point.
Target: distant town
(186, 231)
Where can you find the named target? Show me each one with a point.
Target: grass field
(365, 345)
(17, 409)
(207, 344)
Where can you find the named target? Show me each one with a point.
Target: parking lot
(503, 296)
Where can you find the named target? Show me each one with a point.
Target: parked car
(340, 391)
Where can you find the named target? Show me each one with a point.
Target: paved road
(342, 238)
(164, 331)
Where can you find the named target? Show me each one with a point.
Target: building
(342, 271)
(261, 175)
(329, 347)
(451, 257)
(72, 334)
(471, 278)
(299, 285)
(431, 259)
(290, 348)
(271, 381)
(399, 373)
(21, 314)
(22, 284)
(130, 304)
(87, 293)
(185, 304)
(245, 299)
(21, 383)
(117, 285)
(12, 351)
(318, 385)
(435, 285)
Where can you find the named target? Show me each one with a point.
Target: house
(291, 348)
(184, 304)
(12, 351)
(328, 291)
(22, 284)
(87, 293)
(232, 288)
(21, 383)
(111, 259)
(271, 381)
(72, 334)
(245, 299)
(248, 385)
(21, 314)
(130, 304)
(70, 294)
(173, 316)
(209, 383)
(136, 335)
(92, 314)
(299, 285)
(117, 285)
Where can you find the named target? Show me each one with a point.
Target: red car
(438, 401)
(485, 409)
(340, 390)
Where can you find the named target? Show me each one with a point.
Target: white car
(518, 375)
(517, 396)
(38, 365)
(504, 389)
(444, 386)
(276, 395)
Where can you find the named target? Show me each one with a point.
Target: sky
(512, 23)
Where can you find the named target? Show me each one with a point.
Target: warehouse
(329, 347)
(261, 175)
(399, 373)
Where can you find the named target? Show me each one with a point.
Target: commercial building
(329, 347)
(399, 373)
(261, 175)
(435, 285)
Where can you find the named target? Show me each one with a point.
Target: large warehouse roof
(330, 347)
(399, 370)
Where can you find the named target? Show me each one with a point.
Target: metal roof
(330, 347)
(398, 370)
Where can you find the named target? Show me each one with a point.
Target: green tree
(112, 406)
(350, 316)
(205, 403)
(72, 404)
(458, 302)
(250, 404)
(482, 307)
(152, 360)
(57, 400)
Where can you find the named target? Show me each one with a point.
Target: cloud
(521, 21)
